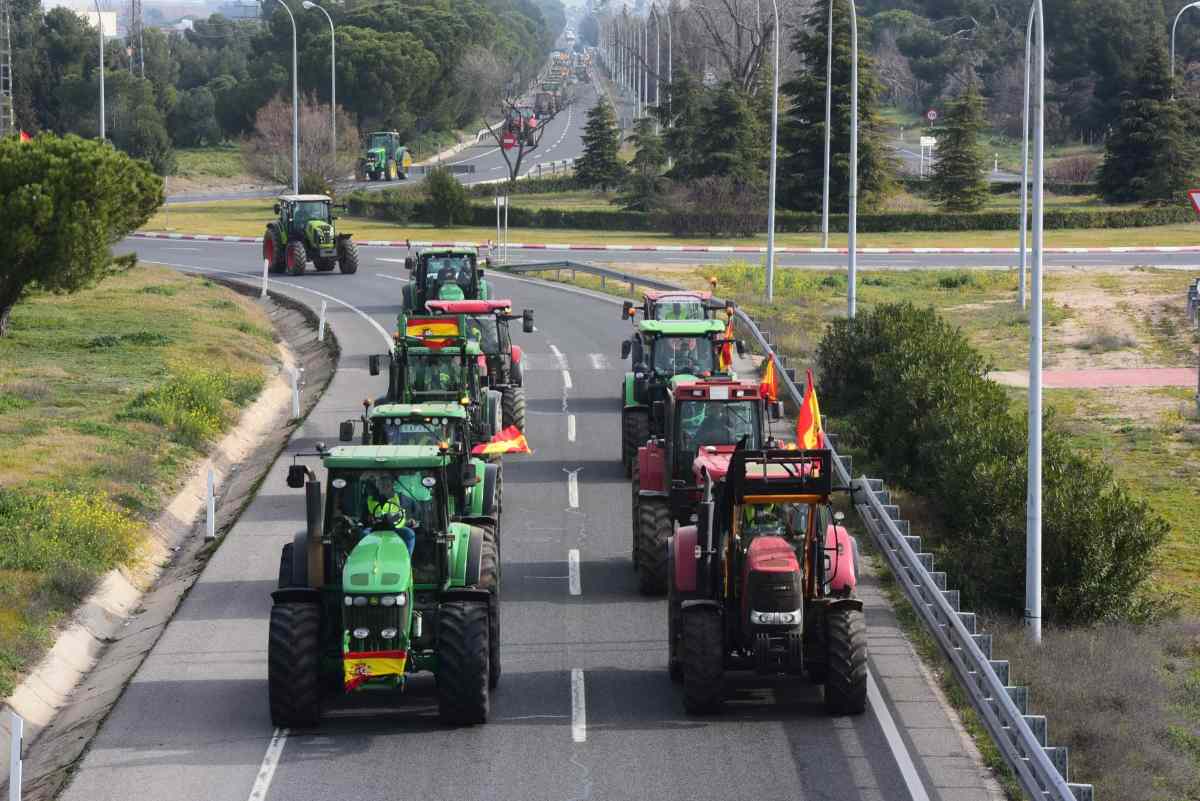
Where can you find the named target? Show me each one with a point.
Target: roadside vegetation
(106, 398)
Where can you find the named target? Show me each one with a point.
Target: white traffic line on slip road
(566, 379)
(573, 487)
(599, 361)
(578, 707)
(266, 770)
(904, 760)
(570, 428)
(558, 355)
(573, 582)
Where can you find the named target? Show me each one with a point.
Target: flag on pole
(509, 440)
(808, 424)
(725, 356)
(770, 380)
(25, 137)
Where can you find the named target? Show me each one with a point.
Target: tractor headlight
(349, 601)
(360, 600)
(388, 600)
(775, 618)
(388, 634)
(401, 599)
(361, 634)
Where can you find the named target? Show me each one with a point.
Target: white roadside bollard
(266, 267)
(295, 373)
(321, 324)
(210, 531)
(17, 735)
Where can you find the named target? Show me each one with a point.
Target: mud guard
(465, 594)
(840, 550)
(683, 554)
(491, 475)
(474, 556)
(627, 389)
(651, 470)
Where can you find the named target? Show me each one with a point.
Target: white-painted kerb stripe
(266, 770)
(578, 707)
(573, 582)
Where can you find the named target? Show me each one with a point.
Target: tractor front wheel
(293, 665)
(348, 258)
(463, 672)
(654, 529)
(513, 408)
(296, 258)
(635, 430)
(846, 662)
(703, 652)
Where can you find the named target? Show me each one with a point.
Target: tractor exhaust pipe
(316, 553)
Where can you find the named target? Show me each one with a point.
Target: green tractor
(661, 350)
(386, 159)
(304, 232)
(383, 582)
(444, 273)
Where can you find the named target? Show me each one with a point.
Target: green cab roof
(455, 251)
(451, 410)
(681, 327)
(385, 457)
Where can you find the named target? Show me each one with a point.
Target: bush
(713, 206)
(448, 204)
(1074, 169)
(527, 186)
(191, 403)
(53, 530)
(912, 387)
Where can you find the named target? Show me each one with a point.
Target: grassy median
(106, 399)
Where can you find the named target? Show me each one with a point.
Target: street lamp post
(774, 147)
(100, 28)
(828, 127)
(1025, 158)
(295, 107)
(308, 4)
(1173, 24)
(852, 227)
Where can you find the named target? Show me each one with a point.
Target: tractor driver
(679, 355)
(402, 511)
(434, 375)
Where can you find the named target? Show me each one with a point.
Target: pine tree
(599, 165)
(726, 145)
(1150, 156)
(645, 183)
(959, 180)
(802, 131)
(681, 119)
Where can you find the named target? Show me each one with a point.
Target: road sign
(931, 115)
(1194, 196)
(928, 141)
(508, 141)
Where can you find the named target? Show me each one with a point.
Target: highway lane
(585, 708)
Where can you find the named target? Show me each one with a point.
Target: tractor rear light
(388, 634)
(361, 634)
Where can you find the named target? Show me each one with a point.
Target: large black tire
(674, 610)
(462, 675)
(285, 566)
(406, 295)
(512, 412)
(635, 485)
(846, 662)
(635, 430)
(348, 258)
(702, 648)
(489, 579)
(654, 529)
(295, 258)
(272, 252)
(325, 265)
(293, 665)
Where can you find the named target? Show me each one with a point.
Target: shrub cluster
(527, 186)
(191, 404)
(60, 529)
(912, 387)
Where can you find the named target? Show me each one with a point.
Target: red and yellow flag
(770, 380)
(25, 137)
(509, 440)
(808, 424)
(359, 667)
(725, 357)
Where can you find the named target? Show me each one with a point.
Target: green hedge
(920, 186)
(528, 186)
(910, 388)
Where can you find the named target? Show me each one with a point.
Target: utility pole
(8, 124)
(134, 43)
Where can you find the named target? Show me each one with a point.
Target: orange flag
(725, 358)
(510, 440)
(25, 137)
(770, 381)
(808, 424)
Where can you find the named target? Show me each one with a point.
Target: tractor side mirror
(626, 349)
(276, 208)
(741, 347)
(626, 309)
(409, 263)
(296, 475)
(776, 410)
(373, 364)
(346, 431)
(527, 321)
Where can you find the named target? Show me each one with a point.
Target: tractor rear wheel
(702, 649)
(846, 662)
(272, 253)
(635, 502)
(348, 258)
(635, 430)
(513, 408)
(654, 529)
(295, 258)
(462, 675)
(293, 665)
(325, 265)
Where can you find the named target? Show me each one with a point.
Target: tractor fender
(652, 469)
(300, 559)
(465, 594)
(474, 556)
(853, 604)
(841, 551)
(627, 389)
(700, 603)
(491, 477)
(683, 554)
(296, 595)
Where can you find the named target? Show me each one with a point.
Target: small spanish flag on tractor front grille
(510, 440)
(808, 424)
(359, 667)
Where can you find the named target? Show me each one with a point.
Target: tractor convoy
(397, 570)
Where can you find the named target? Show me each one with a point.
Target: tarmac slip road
(585, 709)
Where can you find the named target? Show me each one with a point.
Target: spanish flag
(808, 425)
(426, 327)
(770, 380)
(360, 667)
(25, 137)
(510, 440)
(725, 357)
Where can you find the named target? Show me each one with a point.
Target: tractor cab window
(306, 210)
(430, 374)
(413, 431)
(683, 355)
(679, 310)
(714, 423)
(382, 500)
(379, 140)
(485, 331)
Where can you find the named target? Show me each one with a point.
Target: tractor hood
(319, 233)
(376, 154)
(714, 459)
(378, 564)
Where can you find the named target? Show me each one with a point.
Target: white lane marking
(190, 250)
(566, 379)
(573, 487)
(570, 428)
(599, 361)
(266, 770)
(558, 355)
(578, 707)
(904, 761)
(573, 583)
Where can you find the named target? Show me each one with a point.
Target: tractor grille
(774, 592)
(375, 619)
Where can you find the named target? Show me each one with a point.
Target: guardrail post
(602, 282)
(17, 736)
(210, 527)
(266, 269)
(321, 323)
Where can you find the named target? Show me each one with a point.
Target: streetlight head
(308, 4)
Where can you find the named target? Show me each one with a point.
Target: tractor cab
(673, 304)
(298, 214)
(765, 581)
(443, 274)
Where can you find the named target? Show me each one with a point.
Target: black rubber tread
(348, 258)
(635, 430)
(654, 529)
(325, 265)
(634, 502)
(674, 665)
(462, 675)
(702, 649)
(276, 263)
(489, 579)
(293, 665)
(512, 408)
(285, 566)
(295, 258)
(846, 662)
(499, 500)
(406, 296)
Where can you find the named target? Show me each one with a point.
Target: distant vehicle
(386, 158)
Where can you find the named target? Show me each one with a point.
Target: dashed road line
(573, 581)
(566, 379)
(578, 707)
(573, 487)
(570, 428)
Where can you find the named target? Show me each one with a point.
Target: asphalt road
(562, 140)
(875, 261)
(585, 708)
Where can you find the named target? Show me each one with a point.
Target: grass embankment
(218, 161)
(249, 218)
(106, 398)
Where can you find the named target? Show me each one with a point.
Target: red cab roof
(468, 306)
(729, 388)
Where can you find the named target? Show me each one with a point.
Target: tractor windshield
(485, 331)
(679, 310)
(377, 500)
(683, 355)
(705, 422)
(306, 210)
(414, 431)
(435, 374)
(379, 140)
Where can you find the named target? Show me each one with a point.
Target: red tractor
(521, 122)
(765, 582)
(703, 420)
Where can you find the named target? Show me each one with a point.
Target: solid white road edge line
(578, 707)
(912, 779)
(570, 428)
(266, 770)
(573, 582)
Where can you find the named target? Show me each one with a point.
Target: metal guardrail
(1193, 303)
(1041, 770)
